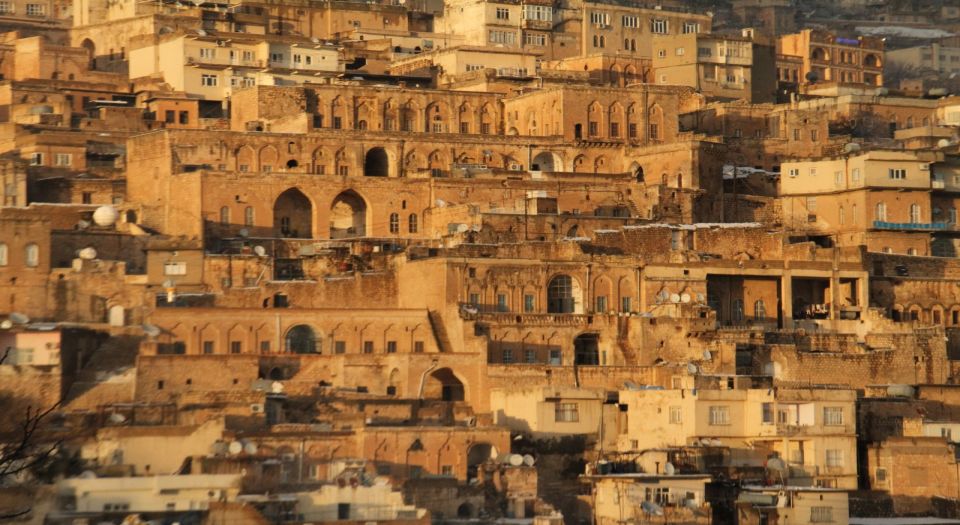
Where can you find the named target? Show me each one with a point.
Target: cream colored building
(455, 61)
(935, 57)
(813, 430)
(718, 66)
(149, 494)
(878, 198)
(792, 505)
(215, 67)
(649, 498)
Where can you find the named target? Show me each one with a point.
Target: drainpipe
(423, 377)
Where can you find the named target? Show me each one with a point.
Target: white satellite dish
(19, 318)
(82, 224)
(151, 330)
(260, 251)
(692, 368)
(6, 324)
(943, 143)
(276, 387)
(88, 254)
(674, 298)
(776, 464)
(250, 448)
(707, 356)
(669, 469)
(105, 216)
(851, 147)
(116, 418)
(243, 232)
(235, 447)
(685, 298)
(700, 298)
(528, 460)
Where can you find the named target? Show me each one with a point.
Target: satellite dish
(151, 330)
(19, 318)
(88, 254)
(685, 298)
(707, 356)
(105, 216)
(243, 232)
(6, 324)
(515, 460)
(674, 298)
(700, 298)
(260, 251)
(812, 77)
(528, 460)
(250, 448)
(235, 447)
(943, 143)
(663, 295)
(82, 224)
(692, 368)
(276, 387)
(776, 464)
(651, 508)
(851, 147)
(116, 418)
(669, 469)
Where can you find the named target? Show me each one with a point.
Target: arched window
(914, 213)
(248, 216)
(3, 254)
(224, 215)
(759, 310)
(394, 223)
(881, 214)
(412, 223)
(32, 255)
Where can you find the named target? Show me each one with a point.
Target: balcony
(919, 226)
(541, 25)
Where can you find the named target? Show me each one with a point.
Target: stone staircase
(108, 377)
(439, 331)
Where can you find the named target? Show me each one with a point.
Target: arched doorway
(376, 163)
(478, 454)
(443, 384)
(546, 161)
(563, 295)
(91, 52)
(293, 215)
(348, 216)
(301, 339)
(586, 349)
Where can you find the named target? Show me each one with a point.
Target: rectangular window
(691, 27)
(654, 132)
(766, 412)
(36, 10)
(418, 347)
(566, 413)
(821, 514)
(601, 304)
(793, 172)
(6, 8)
(599, 19)
(632, 131)
(507, 356)
(391, 347)
(475, 299)
(485, 128)
(502, 37)
(528, 303)
(659, 26)
(704, 52)
(855, 175)
(175, 268)
(631, 21)
(838, 178)
(368, 347)
(169, 116)
(236, 347)
(337, 122)
(676, 415)
(208, 53)
(897, 173)
(208, 80)
(833, 416)
(538, 12)
(63, 159)
(530, 356)
(36, 159)
(834, 458)
(811, 204)
(593, 129)
(719, 415)
(340, 347)
(86, 197)
(276, 57)
(796, 134)
(535, 40)
(184, 117)
(503, 13)
(625, 304)
(297, 59)
(556, 358)
(814, 135)
(208, 347)
(614, 129)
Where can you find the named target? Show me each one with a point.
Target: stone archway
(547, 161)
(376, 163)
(443, 384)
(293, 215)
(301, 339)
(348, 216)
